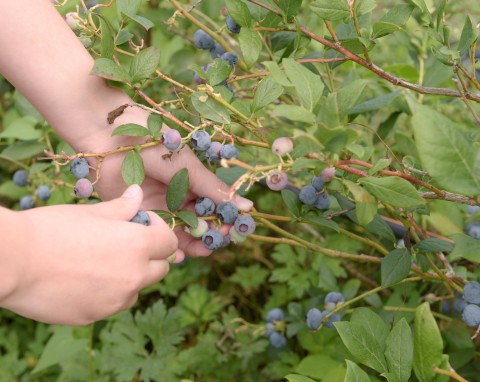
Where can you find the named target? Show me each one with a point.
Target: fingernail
(243, 203)
(132, 191)
(171, 259)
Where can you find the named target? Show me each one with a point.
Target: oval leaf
(131, 129)
(133, 171)
(395, 266)
(393, 190)
(177, 190)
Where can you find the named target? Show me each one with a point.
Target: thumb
(123, 208)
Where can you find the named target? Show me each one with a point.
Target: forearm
(45, 61)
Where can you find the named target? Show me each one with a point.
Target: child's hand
(81, 263)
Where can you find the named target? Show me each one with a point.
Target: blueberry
(317, 183)
(227, 212)
(332, 299)
(230, 57)
(204, 207)
(446, 306)
(228, 152)
(213, 152)
(202, 227)
(203, 40)
(43, 193)
(232, 25)
(472, 210)
(277, 180)
(327, 174)
(199, 80)
(235, 236)
(217, 51)
(333, 318)
(314, 318)
(172, 140)
(308, 195)
(245, 225)
(26, 202)
(20, 178)
(227, 239)
(212, 239)
(277, 340)
(471, 315)
(79, 168)
(473, 230)
(83, 188)
(269, 329)
(282, 146)
(141, 217)
(459, 305)
(323, 201)
(201, 140)
(275, 314)
(471, 292)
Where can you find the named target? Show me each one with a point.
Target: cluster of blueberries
(20, 178)
(242, 224)
(471, 310)
(315, 316)
(473, 228)
(275, 318)
(80, 169)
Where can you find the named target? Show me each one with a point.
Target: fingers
(164, 239)
(156, 271)
(123, 208)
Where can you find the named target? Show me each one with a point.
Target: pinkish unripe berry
(172, 140)
(327, 174)
(83, 188)
(277, 180)
(282, 146)
(72, 20)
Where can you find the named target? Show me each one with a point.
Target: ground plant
(353, 126)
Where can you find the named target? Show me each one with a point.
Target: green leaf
(393, 190)
(131, 130)
(309, 86)
(127, 6)
(375, 103)
(399, 351)
(277, 74)
(331, 10)
(133, 171)
(292, 202)
(297, 378)
(268, 90)
(362, 344)
(144, 63)
(209, 108)
(395, 266)
(434, 245)
(218, 72)
(106, 68)
(393, 20)
(251, 45)
(107, 44)
(155, 124)
(380, 165)
(22, 128)
(466, 247)
(349, 95)
(468, 36)
(355, 373)
(366, 205)
(24, 150)
(188, 217)
(373, 323)
(239, 12)
(446, 154)
(294, 113)
(290, 7)
(178, 189)
(60, 347)
(143, 21)
(322, 222)
(428, 345)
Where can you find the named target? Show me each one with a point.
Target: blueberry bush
(353, 126)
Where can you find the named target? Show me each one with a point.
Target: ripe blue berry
(471, 315)
(314, 318)
(227, 212)
(213, 152)
(269, 329)
(277, 340)
(308, 195)
(43, 193)
(172, 140)
(471, 292)
(141, 217)
(203, 40)
(459, 305)
(217, 51)
(83, 188)
(228, 152)
(204, 207)
(327, 174)
(282, 146)
(473, 230)
(277, 180)
(332, 299)
(232, 25)
(200, 140)
(20, 178)
(245, 225)
(26, 202)
(317, 183)
(323, 201)
(212, 239)
(230, 57)
(275, 314)
(472, 210)
(201, 228)
(79, 168)
(333, 318)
